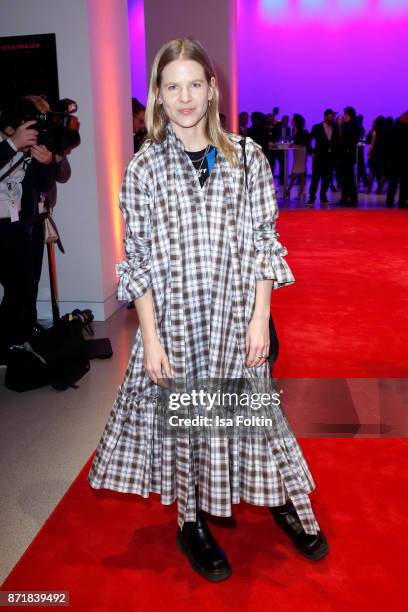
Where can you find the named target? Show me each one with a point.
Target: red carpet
(115, 552)
(347, 313)
(345, 316)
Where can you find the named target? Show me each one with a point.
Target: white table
(285, 147)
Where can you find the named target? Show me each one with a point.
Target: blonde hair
(187, 48)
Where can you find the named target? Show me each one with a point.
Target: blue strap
(211, 158)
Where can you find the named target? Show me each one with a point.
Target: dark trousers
(362, 170)
(37, 238)
(322, 171)
(348, 181)
(403, 197)
(17, 309)
(280, 157)
(394, 179)
(271, 157)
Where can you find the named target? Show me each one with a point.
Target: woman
(201, 253)
(377, 154)
(301, 139)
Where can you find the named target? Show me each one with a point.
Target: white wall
(93, 68)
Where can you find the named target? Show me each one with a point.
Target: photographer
(20, 188)
(23, 137)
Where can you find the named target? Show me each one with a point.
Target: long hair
(187, 48)
(299, 121)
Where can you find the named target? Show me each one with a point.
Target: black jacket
(38, 177)
(350, 136)
(277, 132)
(322, 145)
(399, 146)
(302, 137)
(6, 153)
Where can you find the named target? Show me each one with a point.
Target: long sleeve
(269, 252)
(134, 272)
(7, 152)
(63, 170)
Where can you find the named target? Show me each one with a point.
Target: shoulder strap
(242, 142)
(13, 167)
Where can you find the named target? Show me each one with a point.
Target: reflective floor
(46, 436)
(365, 201)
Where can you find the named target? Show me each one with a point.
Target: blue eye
(171, 87)
(196, 84)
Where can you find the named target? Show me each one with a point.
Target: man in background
(26, 170)
(399, 162)
(350, 136)
(281, 133)
(243, 119)
(326, 142)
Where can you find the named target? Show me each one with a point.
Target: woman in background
(377, 154)
(300, 137)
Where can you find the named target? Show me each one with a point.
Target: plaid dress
(200, 250)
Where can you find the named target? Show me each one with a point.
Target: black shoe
(36, 331)
(311, 200)
(313, 547)
(196, 541)
(324, 200)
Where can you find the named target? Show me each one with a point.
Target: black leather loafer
(206, 558)
(314, 547)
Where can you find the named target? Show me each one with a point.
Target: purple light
(329, 10)
(306, 55)
(137, 49)
(395, 5)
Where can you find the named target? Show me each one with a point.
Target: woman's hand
(155, 361)
(257, 340)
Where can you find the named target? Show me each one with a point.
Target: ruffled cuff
(134, 279)
(269, 252)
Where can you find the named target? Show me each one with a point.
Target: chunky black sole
(317, 554)
(212, 576)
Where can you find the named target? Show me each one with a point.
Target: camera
(58, 129)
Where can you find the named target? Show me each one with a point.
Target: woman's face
(185, 92)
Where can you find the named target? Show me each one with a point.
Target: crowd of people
(336, 146)
(340, 159)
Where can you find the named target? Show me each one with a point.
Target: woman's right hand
(155, 362)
